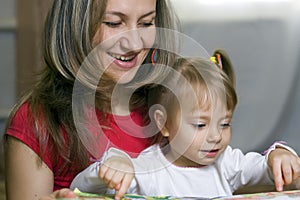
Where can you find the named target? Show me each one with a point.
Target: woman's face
(125, 36)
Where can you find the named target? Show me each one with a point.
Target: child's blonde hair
(196, 77)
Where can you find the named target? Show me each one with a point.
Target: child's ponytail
(224, 62)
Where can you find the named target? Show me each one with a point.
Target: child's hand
(63, 193)
(117, 173)
(285, 167)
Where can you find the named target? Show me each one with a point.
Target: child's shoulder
(151, 158)
(235, 158)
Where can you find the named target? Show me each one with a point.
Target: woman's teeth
(123, 58)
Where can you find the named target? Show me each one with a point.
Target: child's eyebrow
(199, 116)
(208, 116)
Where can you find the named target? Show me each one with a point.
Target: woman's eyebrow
(124, 15)
(114, 13)
(147, 14)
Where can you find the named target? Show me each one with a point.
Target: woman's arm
(26, 177)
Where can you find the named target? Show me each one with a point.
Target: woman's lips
(125, 61)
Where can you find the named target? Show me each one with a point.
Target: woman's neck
(120, 100)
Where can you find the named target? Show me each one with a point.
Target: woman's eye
(112, 24)
(147, 24)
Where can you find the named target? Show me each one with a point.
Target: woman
(93, 47)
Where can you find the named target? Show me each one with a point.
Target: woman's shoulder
(22, 127)
(21, 123)
(21, 113)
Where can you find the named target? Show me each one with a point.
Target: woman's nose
(131, 40)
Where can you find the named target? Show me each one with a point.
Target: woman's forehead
(130, 7)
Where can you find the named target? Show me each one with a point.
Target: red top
(119, 134)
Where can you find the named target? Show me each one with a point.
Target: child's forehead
(199, 95)
(216, 113)
(204, 105)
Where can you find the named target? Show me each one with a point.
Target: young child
(192, 157)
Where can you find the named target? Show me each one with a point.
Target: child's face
(201, 137)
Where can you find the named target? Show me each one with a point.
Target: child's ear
(160, 120)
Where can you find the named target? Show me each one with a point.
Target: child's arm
(115, 172)
(253, 169)
(285, 165)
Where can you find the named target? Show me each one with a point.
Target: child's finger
(287, 174)
(124, 185)
(102, 171)
(118, 186)
(277, 173)
(296, 169)
(116, 179)
(108, 178)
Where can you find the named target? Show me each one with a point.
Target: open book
(292, 194)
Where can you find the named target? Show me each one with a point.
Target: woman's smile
(124, 61)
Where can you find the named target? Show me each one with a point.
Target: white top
(156, 176)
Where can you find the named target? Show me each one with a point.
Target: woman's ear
(160, 120)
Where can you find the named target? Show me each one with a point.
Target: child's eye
(225, 125)
(199, 125)
(112, 24)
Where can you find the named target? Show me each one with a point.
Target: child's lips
(211, 153)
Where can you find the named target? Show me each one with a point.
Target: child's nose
(214, 135)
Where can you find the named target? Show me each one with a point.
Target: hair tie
(217, 60)
(213, 59)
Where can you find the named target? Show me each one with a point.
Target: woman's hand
(63, 193)
(285, 167)
(117, 173)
